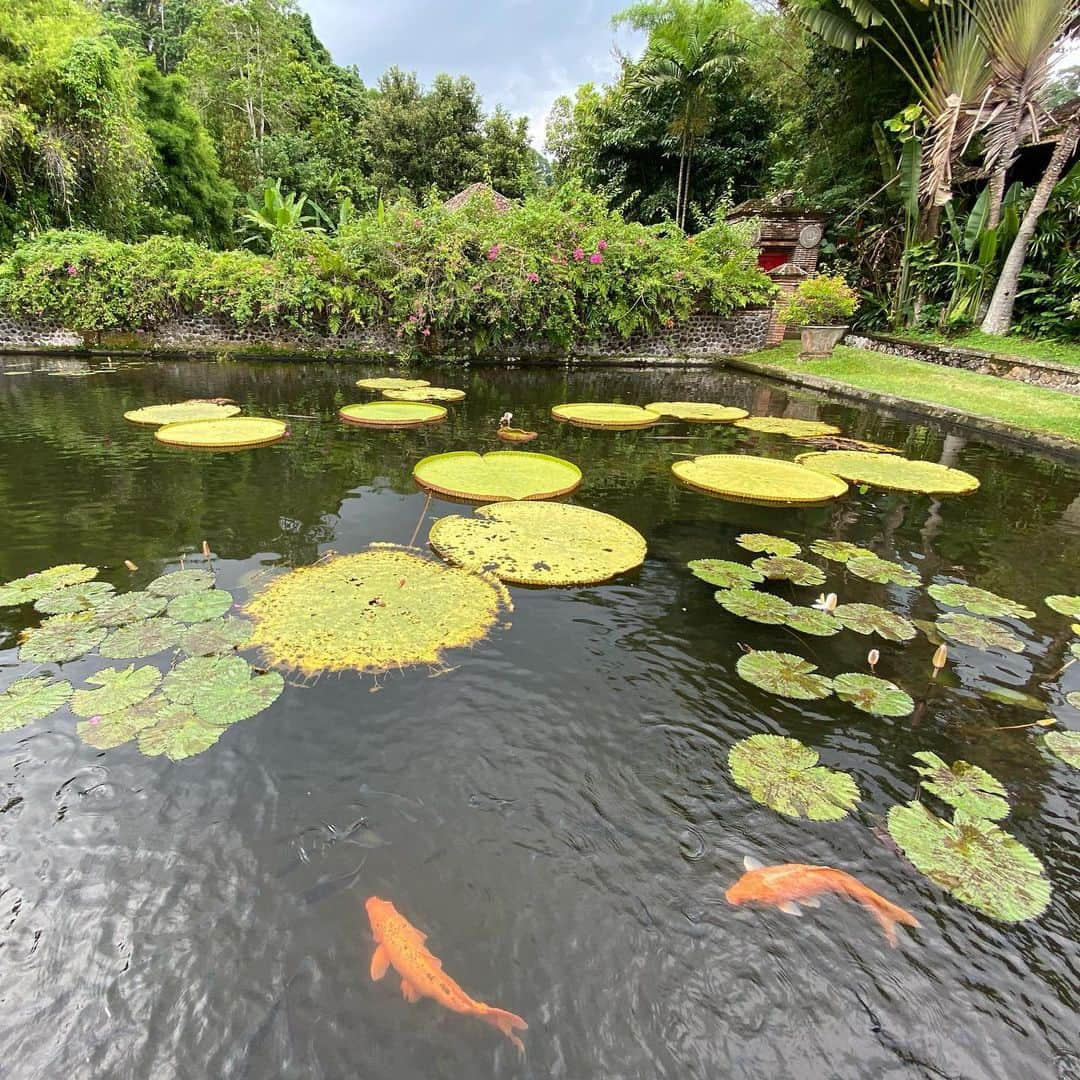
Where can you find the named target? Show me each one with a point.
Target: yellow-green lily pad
(890, 472)
(605, 415)
(963, 786)
(156, 415)
(118, 689)
(26, 590)
(499, 476)
(31, 699)
(393, 414)
(698, 412)
(784, 674)
(762, 481)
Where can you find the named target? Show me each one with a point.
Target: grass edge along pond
(1033, 408)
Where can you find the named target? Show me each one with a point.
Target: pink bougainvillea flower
(533, 277)
(579, 254)
(678, 275)
(493, 252)
(602, 246)
(595, 258)
(417, 223)
(72, 271)
(426, 331)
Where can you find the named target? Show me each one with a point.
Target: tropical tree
(274, 211)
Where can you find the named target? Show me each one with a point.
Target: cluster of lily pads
(208, 424)
(178, 713)
(406, 403)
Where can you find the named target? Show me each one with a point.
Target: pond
(553, 807)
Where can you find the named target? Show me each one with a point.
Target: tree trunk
(686, 183)
(999, 315)
(996, 189)
(678, 187)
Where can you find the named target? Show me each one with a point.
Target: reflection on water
(556, 811)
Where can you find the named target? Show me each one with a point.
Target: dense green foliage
(825, 300)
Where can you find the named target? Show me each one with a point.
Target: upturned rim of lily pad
(392, 414)
(232, 433)
(605, 414)
(758, 480)
(425, 394)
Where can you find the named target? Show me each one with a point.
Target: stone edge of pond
(1054, 444)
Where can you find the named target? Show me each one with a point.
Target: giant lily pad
(976, 860)
(765, 481)
(538, 543)
(381, 609)
(698, 412)
(844, 442)
(147, 637)
(178, 734)
(181, 581)
(606, 415)
(725, 574)
(785, 568)
(1064, 605)
(785, 775)
(963, 786)
(769, 544)
(891, 473)
(1073, 699)
(235, 433)
(1065, 745)
(978, 601)
(979, 633)
(195, 607)
(226, 702)
(26, 590)
(391, 382)
(72, 599)
(871, 619)
(786, 425)
(214, 637)
(119, 689)
(28, 700)
(882, 571)
(808, 620)
(425, 393)
(870, 694)
(61, 638)
(155, 415)
(840, 550)
(757, 606)
(393, 414)
(117, 728)
(784, 674)
(121, 608)
(499, 476)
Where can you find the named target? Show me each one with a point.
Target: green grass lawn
(1016, 403)
(1054, 352)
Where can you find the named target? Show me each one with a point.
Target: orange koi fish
(401, 946)
(789, 884)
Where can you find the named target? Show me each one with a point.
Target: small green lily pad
(756, 606)
(196, 607)
(963, 786)
(1065, 745)
(61, 638)
(784, 674)
(869, 694)
(871, 619)
(178, 734)
(808, 620)
(180, 582)
(1064, 605)
(725, 574)
(974, 859)
(979, 633)
(121, 608)
(882, 571)
(784, 774)
(136, 640)
(119, 689)
(1073, 699)
(31, 699)
(72, 599)
(190, 677)
(979, 601)
(840, 550)
(215, 636)
(1003, 695)
(767, 543)
(786, 568)
(116, 728)
(26, 590)
(226, 702)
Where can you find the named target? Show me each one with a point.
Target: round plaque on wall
(810, 236)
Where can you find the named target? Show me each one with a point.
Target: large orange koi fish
(398, 944)
(789, 884)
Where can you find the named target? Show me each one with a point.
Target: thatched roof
(502, 203)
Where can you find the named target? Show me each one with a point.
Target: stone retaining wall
(701, 336)
(1064, 377)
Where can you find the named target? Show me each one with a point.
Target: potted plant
(821, 306)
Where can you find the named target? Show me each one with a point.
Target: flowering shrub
(557, 268)
(820, 301)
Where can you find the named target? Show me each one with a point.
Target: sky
(520, 53)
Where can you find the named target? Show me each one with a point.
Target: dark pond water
(556, 811)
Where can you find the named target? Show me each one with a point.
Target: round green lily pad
(606, 415)
(381, 609)
(192, 676)
(391, 382)
(840, 550)
(979, 633)
(844, 442)
(26, 590)
(870, 694)
(974, 859)
(1073, 699)
(499, 476)
(871, 619)
(1064, 605)
(783, 674)
(882, 571)
(786, 568)
(72, 599)
(61, 638)
(196, 607)
(1005, 695)
(769, 544)
(181, 581)
(1065, 745)
(757, 606)
(118, 689)
(698, 412)
(226, 702)
(764, 481)
(155, 415)
(121, 608)
(890, 472)
(178, 734)
(963, 786)
(425, 393)
(117, 728)
(979, 601)
(808, 620)
(28, 700)
(782, 425)
(214, 636)
(784, 774)
(540, 543)
(725, 574)
(136, 640)
(235, 433)
(393, 414)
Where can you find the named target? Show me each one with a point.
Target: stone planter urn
(821, 340)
